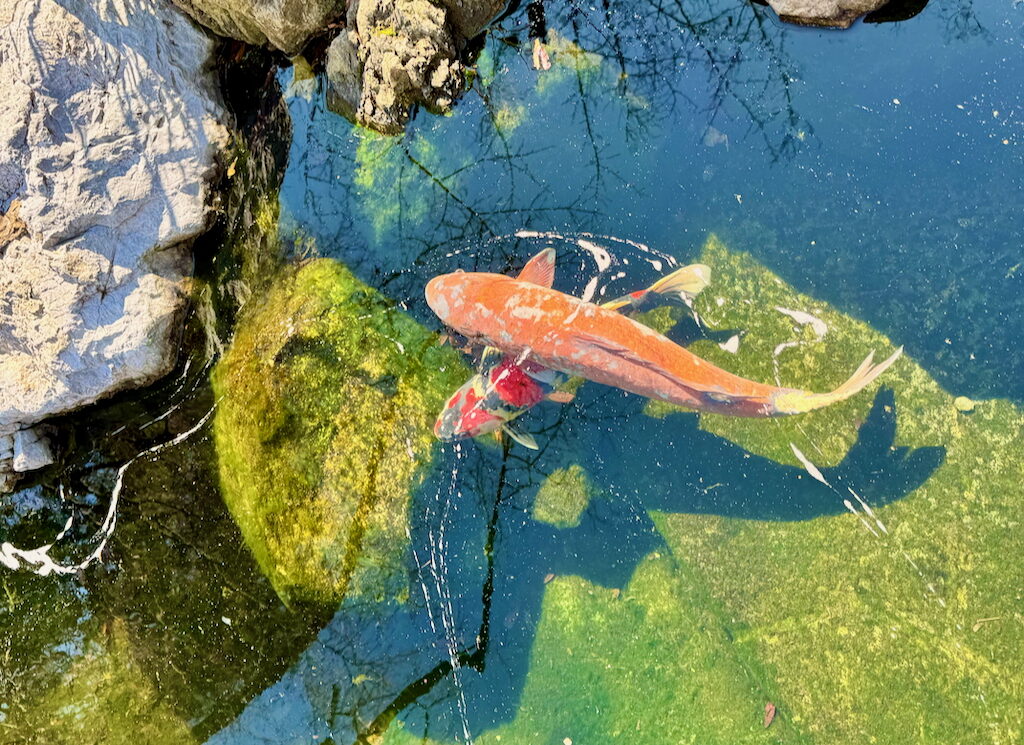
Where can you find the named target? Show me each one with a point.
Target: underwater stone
(907, 636)
(563, 497)
(327, 398)
(826, 604)
(108, 136)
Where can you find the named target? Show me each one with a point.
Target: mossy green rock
(909, 634)
(563, 496)
(323, 430)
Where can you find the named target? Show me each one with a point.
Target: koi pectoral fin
(686, 283)
(522, 437)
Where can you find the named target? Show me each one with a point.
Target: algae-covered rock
(563, 496)
(323, 429)
(868, 622)
(107, 697)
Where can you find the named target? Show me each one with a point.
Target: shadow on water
(454, 659)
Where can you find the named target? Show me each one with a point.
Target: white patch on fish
(527, 312)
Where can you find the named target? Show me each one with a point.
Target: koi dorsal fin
(540, 270)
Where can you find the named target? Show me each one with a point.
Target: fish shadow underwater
(480, 563)
(640, 464)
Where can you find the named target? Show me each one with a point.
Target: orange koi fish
(525, 318)
(504, 388)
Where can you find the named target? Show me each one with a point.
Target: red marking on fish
(514, 385)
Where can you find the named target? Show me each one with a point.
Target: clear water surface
(646, 576)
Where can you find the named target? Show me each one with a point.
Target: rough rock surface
(399, 53)
(836, 13)
(285, 24)
(109, 131)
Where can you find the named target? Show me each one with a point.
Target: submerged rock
(897, 624)
(327, 398)
(563, 497)
(833, 13)
(108, 136)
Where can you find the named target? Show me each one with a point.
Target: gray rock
(469, 17)
(285, 24)
(31, 451)
(108, 134)
(834, 13)
(399, 53)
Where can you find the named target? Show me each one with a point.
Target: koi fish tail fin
(686, 283)
(799, 402)
(682, 285)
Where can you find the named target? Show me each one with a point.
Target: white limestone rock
(109, 132)
(30, 452)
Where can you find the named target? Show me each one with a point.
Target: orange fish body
(576, 337)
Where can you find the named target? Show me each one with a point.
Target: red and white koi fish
(504, 388)
(527, 319)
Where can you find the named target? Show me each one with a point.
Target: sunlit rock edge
(909, 636)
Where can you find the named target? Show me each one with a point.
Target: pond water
(296, 559)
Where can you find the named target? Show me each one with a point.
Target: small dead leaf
(982, 621)
(615, 593)
(12, 226)
(231, 168)
(769, 714)
(548, 577)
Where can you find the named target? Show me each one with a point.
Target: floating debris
(733, 345)
(714, 137)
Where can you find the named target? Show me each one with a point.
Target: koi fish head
(489, 400)
(445, 294)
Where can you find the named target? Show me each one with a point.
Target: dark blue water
(878, 169)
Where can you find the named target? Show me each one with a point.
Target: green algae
(857, 633)
(396, 179)
(323, 430)
(872, 638)
(652, 664)
(569, 61)
(563, 497)
(107, 697)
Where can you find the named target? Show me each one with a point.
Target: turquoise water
(698, 571)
